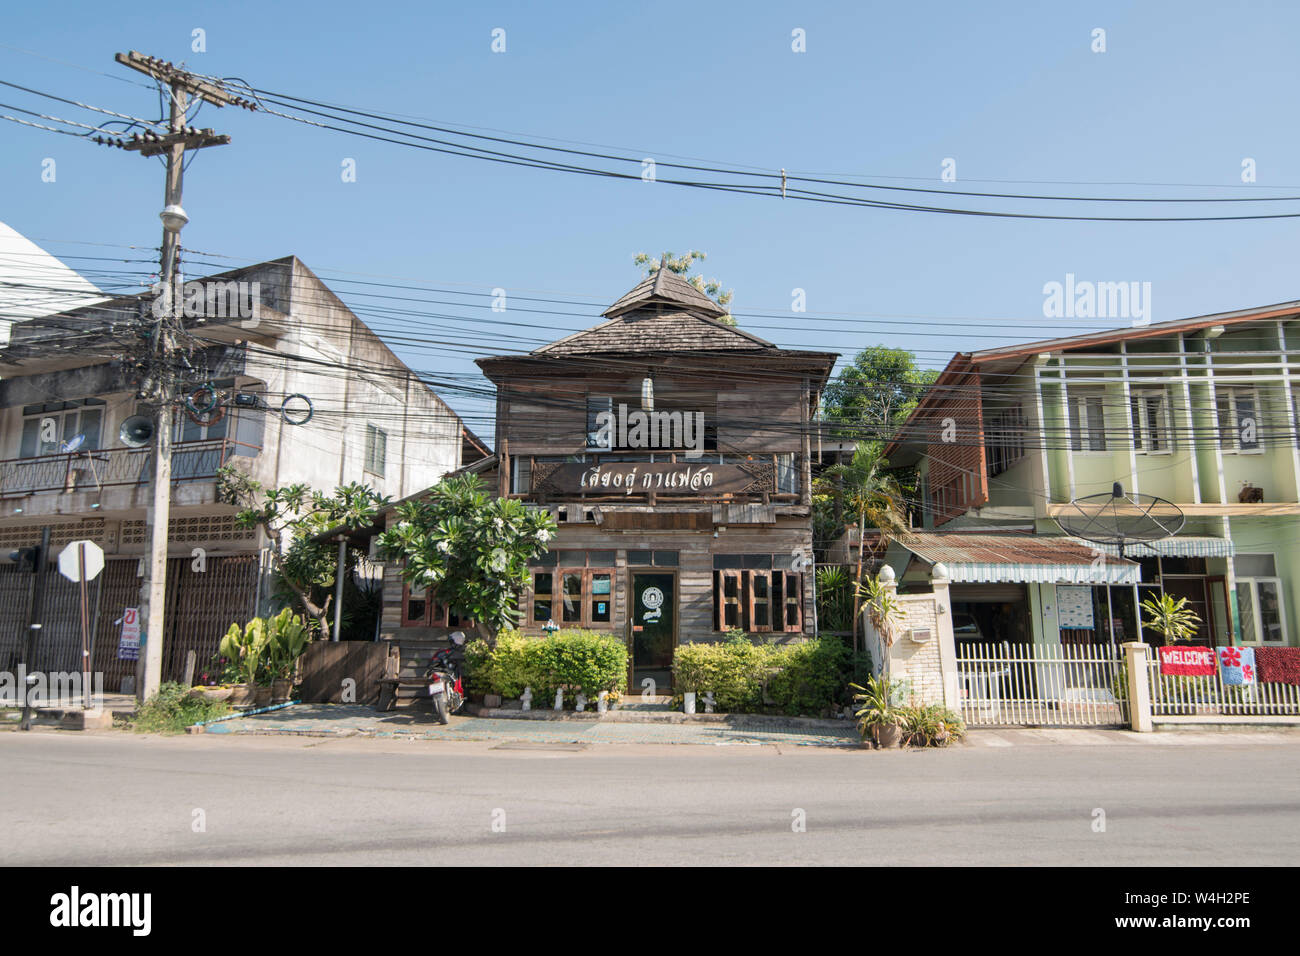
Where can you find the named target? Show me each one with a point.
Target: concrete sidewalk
(545, 728)
(351, 720)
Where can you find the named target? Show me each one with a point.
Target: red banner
(1187, 661)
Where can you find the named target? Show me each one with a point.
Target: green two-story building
(1202, 412)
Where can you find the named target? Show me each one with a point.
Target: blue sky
(1013, 93)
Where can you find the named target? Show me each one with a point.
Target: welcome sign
(1187, 661)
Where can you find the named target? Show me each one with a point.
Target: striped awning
(1018, 559)
(1015, 573)
(1182, 546)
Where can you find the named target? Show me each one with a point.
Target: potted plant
(245, 649)
(1171, 617)
(287, 636)
(877, 714)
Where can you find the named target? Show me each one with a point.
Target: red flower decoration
(1248, 672)
(1231, 656)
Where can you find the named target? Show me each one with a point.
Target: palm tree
(1172, 618)
(864, 490)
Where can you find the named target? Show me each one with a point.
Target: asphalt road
(115, 798)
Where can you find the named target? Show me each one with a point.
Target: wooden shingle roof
(665, 286)
(662, 313)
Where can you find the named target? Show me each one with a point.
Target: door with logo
(654, 630)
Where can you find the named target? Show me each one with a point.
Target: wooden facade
(673, 450)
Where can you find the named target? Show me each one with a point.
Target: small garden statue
(550, 627)
(708, 701)
(602, 702)
(526, 698)
(581, 704)
(559, 699)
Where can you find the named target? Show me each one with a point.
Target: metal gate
(1044, 685)
(201, 605)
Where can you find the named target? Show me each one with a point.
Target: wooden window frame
(782, 606)
(436, 614)
(584, 597)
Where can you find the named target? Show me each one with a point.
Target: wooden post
(85, 627)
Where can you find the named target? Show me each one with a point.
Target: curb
(618, 716)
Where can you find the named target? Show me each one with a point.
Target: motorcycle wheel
(440, 708)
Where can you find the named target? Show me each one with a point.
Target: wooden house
(673, 450)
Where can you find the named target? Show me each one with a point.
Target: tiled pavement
(341, 720)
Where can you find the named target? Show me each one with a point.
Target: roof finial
(659, 275)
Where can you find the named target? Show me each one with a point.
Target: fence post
(1139, 687)
(939, 582)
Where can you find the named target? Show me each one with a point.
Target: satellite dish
(73, 443)
(136, 431)
(1120, 518)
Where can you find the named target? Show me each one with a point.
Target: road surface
(118, 798)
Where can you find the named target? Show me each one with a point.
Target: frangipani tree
(292, 517)
(470, 549)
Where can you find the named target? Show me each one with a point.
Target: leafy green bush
(579, 661)
(809, 678)
(172, 709)
(929, 725)
(835, 598)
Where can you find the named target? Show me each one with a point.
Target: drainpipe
(338, 585)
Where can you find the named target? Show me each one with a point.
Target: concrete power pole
(161, 384)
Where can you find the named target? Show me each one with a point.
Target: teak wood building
(674, 452)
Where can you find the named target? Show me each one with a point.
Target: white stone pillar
(939, 582)
(1139, 688)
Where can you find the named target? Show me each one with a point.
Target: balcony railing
(112, 467)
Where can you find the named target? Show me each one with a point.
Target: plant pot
(281, 690)
(887, 736)
(262, 695)
(242, 695)
(213, 693)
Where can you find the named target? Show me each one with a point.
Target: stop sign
(69, 565)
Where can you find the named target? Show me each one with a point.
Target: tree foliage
(682, 265)
(867, 492)
(471, 549)
(292, 517)
(875, 393)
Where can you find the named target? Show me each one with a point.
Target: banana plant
(287, 638)
(246, 647)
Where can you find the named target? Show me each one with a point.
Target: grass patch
(172, 709)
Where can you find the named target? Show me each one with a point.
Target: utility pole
(35, 616)
(161, 382)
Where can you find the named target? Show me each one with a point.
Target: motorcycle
(446, 688)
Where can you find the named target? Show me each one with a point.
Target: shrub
(835, 598)
(578, 661)
(810, 678)
(172, 709)
(734, 671)
(929, 725)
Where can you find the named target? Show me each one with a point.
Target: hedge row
(806, 679)
(576, 660)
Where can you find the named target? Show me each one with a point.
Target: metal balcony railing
(110, 467)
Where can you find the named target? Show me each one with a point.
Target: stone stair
(654, 704)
